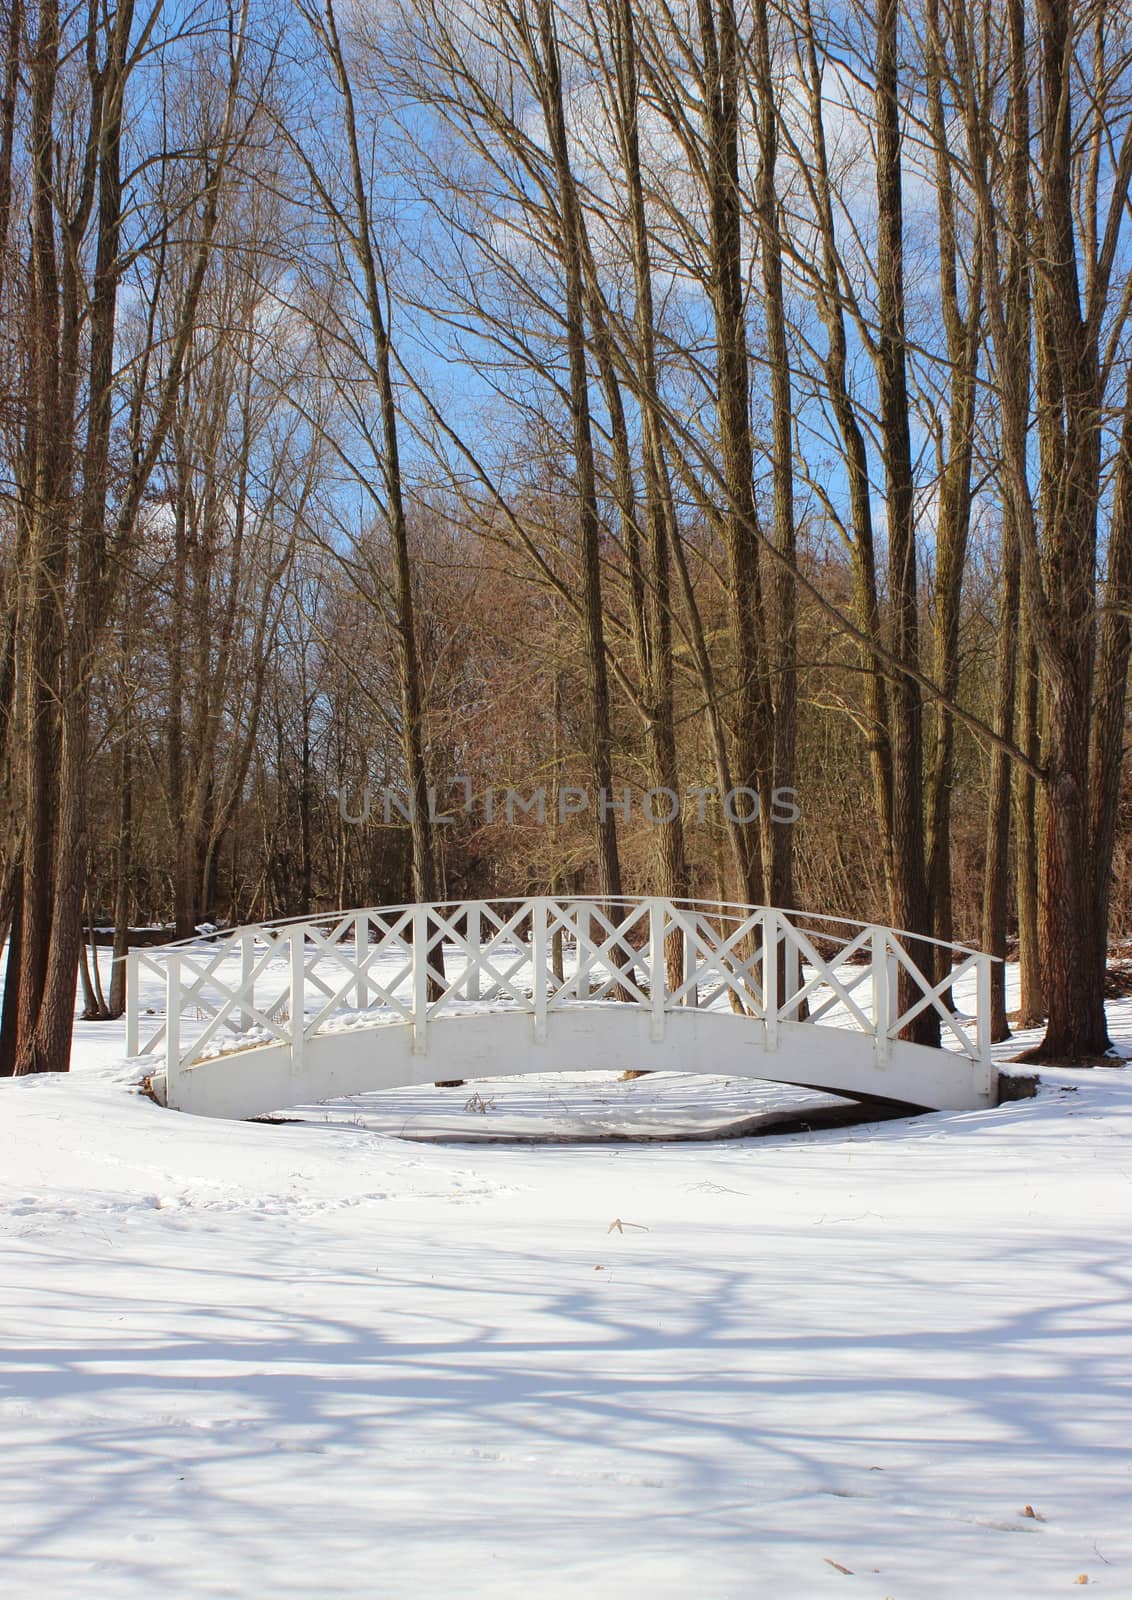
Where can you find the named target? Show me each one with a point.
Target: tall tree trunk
(660, 518)
(12, 29)
(47, 1047)
(996, 874)
(9, 1013)
(910, 909)
(1062, 595)
(1031, 993)
(548, 71)
(753, 723)
(785, 605)
(425, 875)
(866, 602)
(1106, 754)
(963, 333)
(77, 549)
(45, 505)
(123, 868)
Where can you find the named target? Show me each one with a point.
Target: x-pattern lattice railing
(285, 982)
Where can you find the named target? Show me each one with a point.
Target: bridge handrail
(659, 954)
(219, 935)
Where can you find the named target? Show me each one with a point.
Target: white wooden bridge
(256, 1019)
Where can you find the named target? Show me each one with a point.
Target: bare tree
(77, 534)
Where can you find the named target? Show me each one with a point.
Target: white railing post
(474, 936)
(584, 943)
(770, 977)
(595, 938)
(172, 1025)
(296, 953)
(791, 979)
(420, 980)
(133, 1004)
(983, 1008)
(539, 953)
(361, 951)
(247, 978)
(658, 970)
(882, 995)
(691, 959)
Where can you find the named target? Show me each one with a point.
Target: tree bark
(753, 722)
(549, 82)
(911, 910)
(996, 875)
(784, 649)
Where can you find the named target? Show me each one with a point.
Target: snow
(572, 1107)
(315, 1359)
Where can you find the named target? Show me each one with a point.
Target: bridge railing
(286, 982)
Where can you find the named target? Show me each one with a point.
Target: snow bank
(312, 1360)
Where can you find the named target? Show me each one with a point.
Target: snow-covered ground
(313, 1359)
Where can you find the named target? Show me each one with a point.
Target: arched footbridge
(252, 1020)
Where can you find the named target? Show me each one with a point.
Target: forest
(498, 447)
